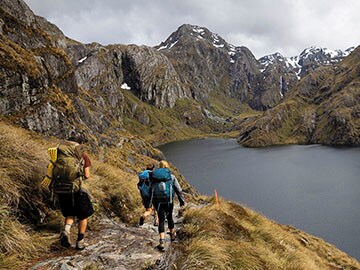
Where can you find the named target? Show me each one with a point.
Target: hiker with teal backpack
(71, 167)
(144, 188)
(163, 186)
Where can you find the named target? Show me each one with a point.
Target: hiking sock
(67, 228)
(80, 237)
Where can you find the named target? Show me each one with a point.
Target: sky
(264, 26)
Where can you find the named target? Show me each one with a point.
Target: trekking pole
(217, 198)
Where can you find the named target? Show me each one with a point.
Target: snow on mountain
(200, 33)
(309, 57)
(301, 64)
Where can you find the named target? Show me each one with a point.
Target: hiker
(72, 166)
(144, 188)
(163, 184)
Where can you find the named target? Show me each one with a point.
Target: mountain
(62, 85)
(206, 64)
(280, 74)
(54, 85)
(322, 108)
(126, 98)
(308, 60)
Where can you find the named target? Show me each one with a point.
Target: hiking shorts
(80, 207)
(146, 201)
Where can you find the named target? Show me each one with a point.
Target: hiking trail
(114, 245)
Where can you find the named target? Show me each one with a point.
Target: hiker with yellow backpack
(69, 167)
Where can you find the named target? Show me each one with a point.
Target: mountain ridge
(56, 87)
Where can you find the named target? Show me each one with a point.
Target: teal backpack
(144, 177)
(162, 185)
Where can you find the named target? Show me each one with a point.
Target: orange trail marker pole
(217, 198)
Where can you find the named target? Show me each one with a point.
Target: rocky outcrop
(111, 246)
(114, 245)
(205, 62)
(322, 108)
(152, 77)
(280, 74)
(57, 86)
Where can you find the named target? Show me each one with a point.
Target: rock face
(280, 74)
(57, 86)
(152, 77)
(205, 62)
(322, 108)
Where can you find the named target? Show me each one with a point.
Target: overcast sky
(264, 26)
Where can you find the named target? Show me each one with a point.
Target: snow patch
(173, 44)
(162, 47)
(168, 46)
(219, 46)
(199, 30)
(125, 86)
(82, 59)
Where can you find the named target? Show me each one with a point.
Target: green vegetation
(23, 161)
(225, 237)
(230, 236)
(14, 57)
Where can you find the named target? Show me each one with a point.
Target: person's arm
(178, 191)
(139, 184)
(87, 165)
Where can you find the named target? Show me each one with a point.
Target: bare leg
(69, 220)
(82, 225)
(156, 217)
(147, 212)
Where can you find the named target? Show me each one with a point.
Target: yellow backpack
(45, 183)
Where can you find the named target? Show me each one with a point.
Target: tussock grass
(233, 237)
(115, 191)
(20, 197)
(226, 237)
(27, 215)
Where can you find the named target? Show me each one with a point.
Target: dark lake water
(314, 188)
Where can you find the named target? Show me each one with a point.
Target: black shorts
(80, 207)
(146, 201)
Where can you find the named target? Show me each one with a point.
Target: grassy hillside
(29, 221)
(228, 237)
(322, 108)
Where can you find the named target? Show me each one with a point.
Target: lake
(314, 188)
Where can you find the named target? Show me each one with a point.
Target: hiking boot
(141, 222)
(65, 239)
(80, 245)
(173, 236)
(161, 245)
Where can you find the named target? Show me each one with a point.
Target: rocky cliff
(206, 62)
(57, 86)
(322, 108)
(194, 82)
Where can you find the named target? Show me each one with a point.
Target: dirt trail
(113, 246)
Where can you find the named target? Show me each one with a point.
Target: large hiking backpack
(144, 188)
(45, 183)
(162, 185)
(68, 169)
